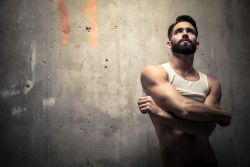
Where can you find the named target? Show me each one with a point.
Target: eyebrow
(178, 30)
(188, 29)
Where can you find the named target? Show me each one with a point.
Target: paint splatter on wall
(91, 11)
(64, 21)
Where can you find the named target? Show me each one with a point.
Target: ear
(197, 45)
(169, 45)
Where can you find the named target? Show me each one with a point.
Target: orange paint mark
(64, 21)
(91, 10)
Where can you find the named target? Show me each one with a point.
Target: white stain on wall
(7, 93)
(16, 111)
(49, 102)
(28, 86)
(30, 83)
(33, 60)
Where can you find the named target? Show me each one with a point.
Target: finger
(143, 105)
(144, 110)
(144, 97)
(143, 101)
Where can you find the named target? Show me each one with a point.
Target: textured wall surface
(70, 78)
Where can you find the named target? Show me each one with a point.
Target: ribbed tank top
(195, 90)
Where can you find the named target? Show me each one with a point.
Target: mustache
(186, 39)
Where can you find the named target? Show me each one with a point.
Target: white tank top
(195, 90)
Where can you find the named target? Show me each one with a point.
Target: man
(183, 102)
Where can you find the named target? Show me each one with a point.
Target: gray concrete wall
(68, 95)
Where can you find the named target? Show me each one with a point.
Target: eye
(189, 30)
(179, 30)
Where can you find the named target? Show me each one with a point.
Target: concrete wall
(68, 94)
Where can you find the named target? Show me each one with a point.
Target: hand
(147, 105)
(226, 121)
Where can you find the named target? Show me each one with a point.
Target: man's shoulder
(153, 70)
(210, 79)
(151, 67)
(153, 73)
(213, 83)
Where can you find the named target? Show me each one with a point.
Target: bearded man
(182, 102)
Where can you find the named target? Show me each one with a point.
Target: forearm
(184, 125)
(196, 111)
(186, 108)
(192, 110)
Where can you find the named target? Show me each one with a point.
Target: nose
(185, 36)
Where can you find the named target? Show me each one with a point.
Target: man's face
(183, 39)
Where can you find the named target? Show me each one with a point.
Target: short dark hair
(183, 18)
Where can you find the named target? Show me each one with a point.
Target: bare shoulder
(153, 72)
(153, 75)
(214, 85)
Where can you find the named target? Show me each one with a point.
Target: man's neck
(183, 63)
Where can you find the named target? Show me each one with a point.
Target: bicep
(154, 81)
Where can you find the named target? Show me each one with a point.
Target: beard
(184, 49)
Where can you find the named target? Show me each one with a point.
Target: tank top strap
(170, 71)
(203, 78)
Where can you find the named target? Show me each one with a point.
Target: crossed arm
(183, 111)
(147, 105)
